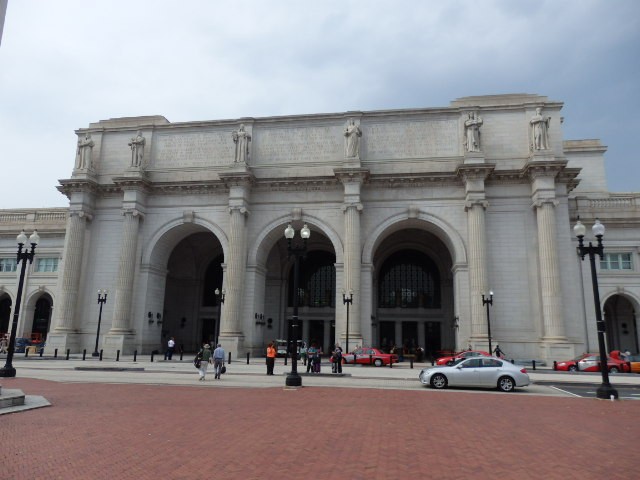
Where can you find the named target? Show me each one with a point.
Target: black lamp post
(220, 295)
(604, 391)
(102, 299)
(297, 252)
(488, 301)
(347, 301)
(24, 257)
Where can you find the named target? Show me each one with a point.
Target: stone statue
(352, 135)
(539, 131)
(83, 154)
(137, 149)
(472, 132)
(242, 139)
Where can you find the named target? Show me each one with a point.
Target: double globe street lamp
(24, 257)
(102, 299)
(605, 390)
(347, 301)
(488, 301)
(220, 296)
(297, 252)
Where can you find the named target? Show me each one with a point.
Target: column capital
(358, 206)
(351, 175)
(81, 214)
(240, 209)
(475, 172)
(469, 204)
(132, 211)
(539, 202)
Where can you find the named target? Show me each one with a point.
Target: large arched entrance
(5, 313)
(41, 317)
(621, 324)
(413, 293)
(191, 312)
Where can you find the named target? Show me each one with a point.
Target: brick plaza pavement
(131, 431)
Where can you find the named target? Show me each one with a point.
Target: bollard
(248, 355)
(41, 351)
(433, 361)
(26, 352)
(533, 364)
(101, 355)
(285, 359)
(513, 362)
(411, 362)
(68, 352)
(151, 357)
(229, 362)
(55, 353)
(84, 354)
(181, 353)
(390, 362)
(370, 359)
(555, 365)
(118, 356)
(135, 354)
(355, 359)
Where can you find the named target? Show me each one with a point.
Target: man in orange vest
(271, 358)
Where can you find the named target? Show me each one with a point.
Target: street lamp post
(24, 257)
(347, 301)
(102, 299)
(604, 391)
(297, 252)
(488, 301)
(220, 295)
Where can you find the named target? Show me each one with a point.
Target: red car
(590, 362)
(571, 365)
(369, 356)
(465, 354)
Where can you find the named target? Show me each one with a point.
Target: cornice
(75, 185)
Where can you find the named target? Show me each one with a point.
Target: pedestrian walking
(336, 360)
(271, 358)
(205, 359)
(3, 344)
(311, 352)
(171, 346)
(498, 353)
(218, 361)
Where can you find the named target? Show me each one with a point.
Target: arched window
(317, 281)
(409, 279)
(212, 280)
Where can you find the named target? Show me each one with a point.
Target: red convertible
(450, 360)
(369, 356)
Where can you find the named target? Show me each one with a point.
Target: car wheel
(613, 370)
(450, 363)
(506, 384)
(573, 368)
(378, 362)
(438, 381)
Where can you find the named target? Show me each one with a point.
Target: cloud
(68, 63)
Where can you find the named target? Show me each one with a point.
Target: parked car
(281, 348)
(450, 360)
(592, 364)
(571, 365)
(369, 356)
(479, 371)
(634, 363)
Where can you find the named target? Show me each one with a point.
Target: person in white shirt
(171, 346)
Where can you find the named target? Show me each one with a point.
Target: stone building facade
(417, 213)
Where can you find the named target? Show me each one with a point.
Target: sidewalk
(161, 422)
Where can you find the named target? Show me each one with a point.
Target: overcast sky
(67, 63)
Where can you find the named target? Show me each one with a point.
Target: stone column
(475, 206)
(126, 270)
(477, 265)
(352, 266)
(549, 270)
(70, 281)
(231, 320)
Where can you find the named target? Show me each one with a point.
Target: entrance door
(208, 331)
(410, 336)
(387, 335)
(316, 333)
(432, 343)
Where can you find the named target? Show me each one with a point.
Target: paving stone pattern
(128, 431)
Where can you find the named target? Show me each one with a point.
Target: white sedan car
(488, 372)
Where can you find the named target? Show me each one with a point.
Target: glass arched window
(317, 282)
(409, 279)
